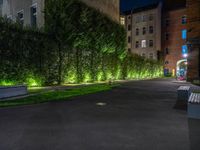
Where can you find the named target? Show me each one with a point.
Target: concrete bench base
(194, 106)
(12, 91)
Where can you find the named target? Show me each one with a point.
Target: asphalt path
(138, 115)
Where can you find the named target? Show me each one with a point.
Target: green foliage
(78, 44)
(56, 95)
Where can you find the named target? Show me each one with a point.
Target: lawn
(57, 95)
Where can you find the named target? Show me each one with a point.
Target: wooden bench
(12, 91)
(184, 93)
(194, 106)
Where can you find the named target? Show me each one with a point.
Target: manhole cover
(101, 104)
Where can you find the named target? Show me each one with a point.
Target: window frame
(144, 43)
(34, 14)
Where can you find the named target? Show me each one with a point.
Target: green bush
(78, 44)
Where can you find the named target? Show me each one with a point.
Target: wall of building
(172, 47)
(131, 20)
(12, 7)
(109, 7)
(193, 13)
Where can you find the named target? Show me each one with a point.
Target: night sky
(130, 4)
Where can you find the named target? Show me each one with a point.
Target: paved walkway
(138, 115)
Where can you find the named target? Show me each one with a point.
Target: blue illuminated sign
(184, 34)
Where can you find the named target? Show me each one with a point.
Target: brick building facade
(174, 34)
(193, 40)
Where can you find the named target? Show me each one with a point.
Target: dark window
(166, 62)
(151, 17)
(151, 29)
(166, 51)
(129, 39)
(150, 43)
(137, 44)
(144, 31)
(151, 55)
(167, 22)
(144, 18)
(129, 27)
(137, 31)
(166, 36)
(129, 50)
(184, 19)
(33, 16)
(20, 17)
(137, 19)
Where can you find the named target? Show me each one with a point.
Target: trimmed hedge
(78, 44)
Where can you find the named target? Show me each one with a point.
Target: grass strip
(57, 95)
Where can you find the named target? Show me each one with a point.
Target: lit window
(184, 19)
(144, 31)
(150, 43)
(20, 17)
(137, 31)
(184, 51)
(144, 43)
(184, 34)
(151, 29)
(34, 16)
(137, 44)
(122, 20)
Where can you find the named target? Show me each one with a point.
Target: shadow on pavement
(181, 105)
(194, 133)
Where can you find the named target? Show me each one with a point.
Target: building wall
(175, 42)
(193, 13)
(131, 20)
(12, 7)
(109, 7)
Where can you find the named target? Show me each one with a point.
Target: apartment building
(193, 39)
(31, 12)
(26, 12)
(143, 27)
(174, 35)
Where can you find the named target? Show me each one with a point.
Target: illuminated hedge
(78, 44)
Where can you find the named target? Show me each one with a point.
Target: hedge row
(77, 44)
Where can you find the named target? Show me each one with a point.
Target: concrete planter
(184, 93)
(194, 106)
(12, 91)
